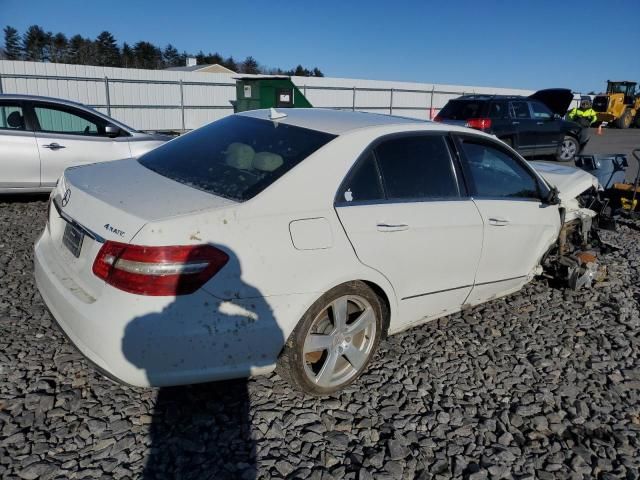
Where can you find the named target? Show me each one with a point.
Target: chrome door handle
(385, 227)
(515, 123)
(498, 222)
(54, 146)
(539, 123)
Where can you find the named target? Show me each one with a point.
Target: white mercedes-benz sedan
(293, 240)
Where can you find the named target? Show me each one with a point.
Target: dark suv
(531, 125)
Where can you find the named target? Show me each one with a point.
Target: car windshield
(236, 157)
(462, 109)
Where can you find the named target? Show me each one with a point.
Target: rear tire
(637, 120)
(334, 341)
(568, 149)
(624, 120)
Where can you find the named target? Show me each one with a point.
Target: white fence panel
(175, 100)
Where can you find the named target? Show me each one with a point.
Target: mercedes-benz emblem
(66, 198)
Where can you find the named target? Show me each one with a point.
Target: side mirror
(552, 197)
(111, 131)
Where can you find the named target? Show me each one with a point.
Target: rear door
(524, 125)
(406, 216)
(518, 226)
(19, 159)
(69, 136)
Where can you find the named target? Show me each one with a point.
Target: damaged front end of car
(573, 261)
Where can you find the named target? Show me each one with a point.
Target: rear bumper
(162, 341)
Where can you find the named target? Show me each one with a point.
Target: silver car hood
(570, 181)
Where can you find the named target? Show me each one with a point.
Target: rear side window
(498, 110)
(520, 110)
(417, 167)
(463, 109)
(364, 182)
(11, 117)
(496, 174)
(236, 157)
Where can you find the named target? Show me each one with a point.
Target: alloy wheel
(340, 341)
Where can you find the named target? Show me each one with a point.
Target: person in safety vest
(584, 115)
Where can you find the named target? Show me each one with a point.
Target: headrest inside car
(267, 161)
(240, 156)
(15, 120)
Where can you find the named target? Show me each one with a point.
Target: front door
(68, 137)
(405, 215)
(19, 159)
(519, 227)
(550, 134)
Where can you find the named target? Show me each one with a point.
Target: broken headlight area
(573, 261)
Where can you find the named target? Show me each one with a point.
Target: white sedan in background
(294, 240)
(41, 136)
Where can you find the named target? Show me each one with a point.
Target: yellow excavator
(620, 106)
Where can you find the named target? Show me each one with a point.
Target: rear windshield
(463, 109)
(236, 157)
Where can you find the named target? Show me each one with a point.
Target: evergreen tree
(81, 51)
(231, 64)
(250, 65)
(213, 58)
(317, 73)
(57, 47)
(34, 44)
(147, 55)
(107, 51)
(12, 48)
(301, 72)
(128, 58)
(171, 56)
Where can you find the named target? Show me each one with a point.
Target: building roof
(335, 122)
(215, 68)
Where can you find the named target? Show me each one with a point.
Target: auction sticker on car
(72, 239)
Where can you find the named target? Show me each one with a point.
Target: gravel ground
(542, 384)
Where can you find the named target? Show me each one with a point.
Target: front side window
(496, 174)
(236, 157)
(11, 117)
(520, 110)
(417, 167)
(540, 111)
(63, 120)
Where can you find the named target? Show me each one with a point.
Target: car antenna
(275, 115)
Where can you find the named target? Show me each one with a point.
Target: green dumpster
(267, 91)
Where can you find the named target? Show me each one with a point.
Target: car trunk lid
(112, 201)
(115, 199)
(556, 99)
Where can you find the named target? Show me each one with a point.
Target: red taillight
(157, 271)
(479, 123)
(437, 118)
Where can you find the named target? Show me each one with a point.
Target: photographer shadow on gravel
(204, 431)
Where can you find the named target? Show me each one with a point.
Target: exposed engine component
(573, 260)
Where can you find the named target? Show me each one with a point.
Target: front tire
(624, 120)
(334, 340)
(568, 149)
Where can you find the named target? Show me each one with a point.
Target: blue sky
(525, 44)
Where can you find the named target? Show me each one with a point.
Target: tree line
(38, 45)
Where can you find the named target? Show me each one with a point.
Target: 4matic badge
(114, 230)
